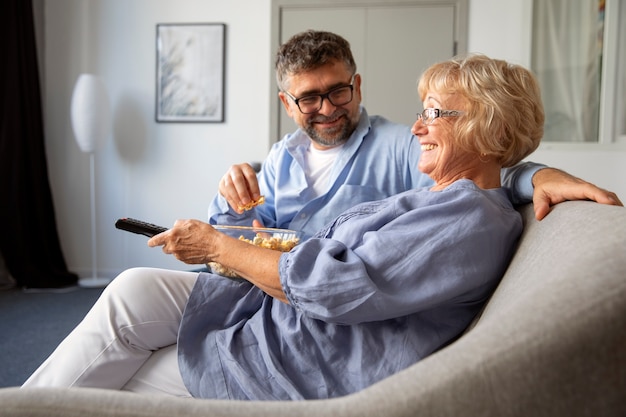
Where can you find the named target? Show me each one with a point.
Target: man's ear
(285, 100)
(357, 86)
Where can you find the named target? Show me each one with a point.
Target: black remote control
(139, 227)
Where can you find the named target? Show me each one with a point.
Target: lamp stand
(93, 281)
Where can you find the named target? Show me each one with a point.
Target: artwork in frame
(190, 72)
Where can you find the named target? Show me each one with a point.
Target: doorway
(392, 44)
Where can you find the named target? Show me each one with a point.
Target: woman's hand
(196, 242)
(190, 241)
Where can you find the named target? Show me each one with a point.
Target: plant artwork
(190, 73)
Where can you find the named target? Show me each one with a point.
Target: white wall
(160, 171)
(153, 171)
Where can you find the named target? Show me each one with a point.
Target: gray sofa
(550, 342)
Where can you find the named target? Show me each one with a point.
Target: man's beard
(330, 137)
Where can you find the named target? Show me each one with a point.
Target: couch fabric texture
(551, 341)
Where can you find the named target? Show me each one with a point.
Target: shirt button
(303, 215)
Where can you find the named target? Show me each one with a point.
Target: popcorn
(252, 204)
(262, 240)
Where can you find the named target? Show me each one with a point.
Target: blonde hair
(504, 113)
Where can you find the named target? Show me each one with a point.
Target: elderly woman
(381, 287)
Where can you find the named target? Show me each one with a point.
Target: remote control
(139, 227)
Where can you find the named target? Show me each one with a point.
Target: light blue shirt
(379, 160)
(381, 287)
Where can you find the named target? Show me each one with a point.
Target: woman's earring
(482, 158)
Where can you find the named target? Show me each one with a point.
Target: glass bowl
(282, 240)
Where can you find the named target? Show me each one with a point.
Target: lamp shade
(90, 112)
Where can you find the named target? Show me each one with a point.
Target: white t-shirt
(318, 166)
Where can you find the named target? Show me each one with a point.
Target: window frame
(610, 100)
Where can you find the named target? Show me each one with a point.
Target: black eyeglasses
(337, 97)
(429, 115)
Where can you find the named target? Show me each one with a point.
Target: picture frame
(190, 72)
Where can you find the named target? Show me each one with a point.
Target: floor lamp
(91, 122)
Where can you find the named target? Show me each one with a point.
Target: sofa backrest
(576, 252)
(563, 300)
(551, 340)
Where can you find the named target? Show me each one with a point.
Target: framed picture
(190, 72)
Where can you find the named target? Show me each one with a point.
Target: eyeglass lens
(428, 115)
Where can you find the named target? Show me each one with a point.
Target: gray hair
(309, 50)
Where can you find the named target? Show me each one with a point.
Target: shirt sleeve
(419, 261)
(519, 179)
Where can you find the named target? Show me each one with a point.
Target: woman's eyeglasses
(429, 115)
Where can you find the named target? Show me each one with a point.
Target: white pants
(127, 341)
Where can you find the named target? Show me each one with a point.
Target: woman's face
(442, 159)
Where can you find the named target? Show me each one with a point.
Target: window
(579, 57)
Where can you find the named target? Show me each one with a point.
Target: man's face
(331, 125)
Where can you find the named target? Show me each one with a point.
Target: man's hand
(190, 241)
(239, 186)
(553, 186)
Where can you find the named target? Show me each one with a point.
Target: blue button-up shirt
(381, 287)
(379, 160)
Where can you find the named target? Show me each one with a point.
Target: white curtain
(567, 57)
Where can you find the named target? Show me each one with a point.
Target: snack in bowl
(282, 240)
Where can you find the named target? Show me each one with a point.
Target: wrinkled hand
(239, 186)
(553, 186)
(190, 241)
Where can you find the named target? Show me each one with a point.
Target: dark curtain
(29, 238)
